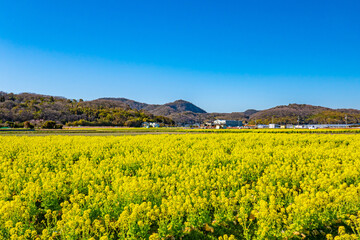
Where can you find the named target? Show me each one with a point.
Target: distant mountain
(184, 106)
(179, 106)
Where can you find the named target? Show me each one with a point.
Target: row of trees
(29, 125)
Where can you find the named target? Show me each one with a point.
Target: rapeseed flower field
(191, 186)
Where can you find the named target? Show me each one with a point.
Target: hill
(178, 106)
(308, 114)
(180, 111)
(15, 109)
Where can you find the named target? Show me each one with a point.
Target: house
(273, 125)
(227, 123)
(154, 125)
(151, 124)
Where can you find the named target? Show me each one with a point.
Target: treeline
(26, 109)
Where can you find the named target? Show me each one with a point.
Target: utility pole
(298, 120)
(346, 120)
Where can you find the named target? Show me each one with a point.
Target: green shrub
(28, 125)
(49, 125)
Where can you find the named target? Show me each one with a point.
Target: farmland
(233, 185)
(120, 131)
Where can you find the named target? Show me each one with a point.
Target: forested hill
(179, 106)
(181, 111)
(305, 114)
(37, 108)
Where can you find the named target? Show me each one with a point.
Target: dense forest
(36, 110)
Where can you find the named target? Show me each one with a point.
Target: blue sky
(224, 56)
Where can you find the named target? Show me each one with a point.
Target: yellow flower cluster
(188, 186)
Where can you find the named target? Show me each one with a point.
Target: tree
(49, 125)
(133, 123)
(11, 97)
(9, 124)
(27, 124)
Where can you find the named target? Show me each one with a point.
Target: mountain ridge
(184, 112)
(292, 113)
(176, 106)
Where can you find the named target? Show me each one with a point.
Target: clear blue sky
(224, 56)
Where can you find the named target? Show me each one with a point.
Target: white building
(154, 124)
(151, 124)
(228, 123)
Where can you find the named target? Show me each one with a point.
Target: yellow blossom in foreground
(209, 186)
